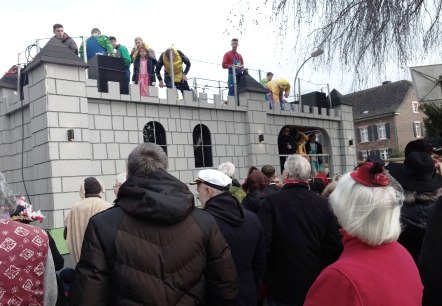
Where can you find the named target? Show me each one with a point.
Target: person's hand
(289, 146)
(161, 84)
(286, 95)
(184, 78)
(134, 48)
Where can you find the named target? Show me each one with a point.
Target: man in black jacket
(241, 229)
(301, 236)
(286, 144)
(154, 247)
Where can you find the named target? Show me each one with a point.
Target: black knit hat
(418, 145)
(418, 173)
(92, 186)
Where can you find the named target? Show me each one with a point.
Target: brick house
(386, 118)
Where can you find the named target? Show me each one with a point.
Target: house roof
(56, 53)
(247, 83)
(9, 81)
(377, 101)
(335, 97)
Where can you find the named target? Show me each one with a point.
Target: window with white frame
(417, 128)
(364, 155)
(382, 133)
(415, 105)
(364, 134)
(383, 153)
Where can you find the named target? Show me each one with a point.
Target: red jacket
(230, 58)
(384, 275)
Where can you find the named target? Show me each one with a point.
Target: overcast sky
(196, 27)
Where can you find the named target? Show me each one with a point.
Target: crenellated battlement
(59, 97)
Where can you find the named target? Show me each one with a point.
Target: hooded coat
(150, 250)
(244, 234)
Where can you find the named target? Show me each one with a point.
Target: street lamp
(316, 53)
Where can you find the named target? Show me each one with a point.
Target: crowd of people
(372, 237)
(147, 68)
(369, 237)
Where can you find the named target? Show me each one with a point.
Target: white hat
(213, 178)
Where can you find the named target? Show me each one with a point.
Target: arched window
(202, 146)
(154, 132)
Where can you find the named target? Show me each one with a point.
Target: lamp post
(316, 53)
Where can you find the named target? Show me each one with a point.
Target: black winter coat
(302, 239)
(149, 250)
(271, 188)
(415, 216)
(430, 264)
(283, 141)
(252, 201)
(243, 232)
(151, 65)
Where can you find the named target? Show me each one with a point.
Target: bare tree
(363, 34)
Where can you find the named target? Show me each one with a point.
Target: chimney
(386, 82)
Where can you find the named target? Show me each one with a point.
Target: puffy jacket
(150, 250)
(277, 87)
(178, 62)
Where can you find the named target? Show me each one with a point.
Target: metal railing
(199, 84)
(316, 167)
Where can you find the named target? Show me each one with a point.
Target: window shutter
(414, 129)
(387, 130)
(390, 151)
(359, 155)
(370, 138)
(358, 135)
(375, 132)
(377, 153)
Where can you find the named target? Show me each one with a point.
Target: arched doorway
(294, 139)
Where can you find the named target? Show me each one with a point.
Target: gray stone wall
(108, 126)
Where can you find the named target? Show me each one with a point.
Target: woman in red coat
(374, 269)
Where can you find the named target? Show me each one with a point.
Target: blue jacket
(93, 47)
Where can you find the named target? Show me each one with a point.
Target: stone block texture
(108, 126)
